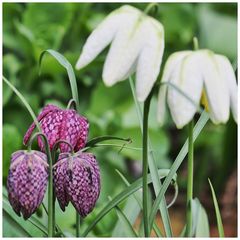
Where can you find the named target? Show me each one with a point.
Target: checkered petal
(27, 181)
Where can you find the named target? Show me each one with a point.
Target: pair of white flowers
(137, 45)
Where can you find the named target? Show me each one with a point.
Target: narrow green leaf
(34, 220)
(179, 159)
(37, 225)
(137, 198)
(116, 200)
(96, 140)
(19, 221)
(24, 101)
(65, 63)
(202, 229)
(123, 219)
(218, 215)
(131, 210)
(157, 185)
(200, 223)
(15, 224)
(183, 232)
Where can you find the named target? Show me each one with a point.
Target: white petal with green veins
(216, 88)
(229, 76)
(149, 61)
(189, 80)
(171, 65)
(124, 50)
(101, 37)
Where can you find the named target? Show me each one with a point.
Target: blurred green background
(30, 28)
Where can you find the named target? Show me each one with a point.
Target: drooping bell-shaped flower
(137, 46)
(204, 77)
(27, 181)
(58, 124)
(77, 179)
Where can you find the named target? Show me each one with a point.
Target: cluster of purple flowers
(76, 176)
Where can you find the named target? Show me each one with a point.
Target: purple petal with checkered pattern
(58, 124)
(77, 179)
(27, 181)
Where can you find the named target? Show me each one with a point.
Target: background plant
(26, 37)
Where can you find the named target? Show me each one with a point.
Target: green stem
(51, 221)
(77, 224)
(195, 44)
(149, 7)
(56, 145)
(157, 185)
(72, 104)
(190, 167)
(145, 165)
(190, 179)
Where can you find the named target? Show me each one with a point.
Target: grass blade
(15, 223)
(19, 222)
(131, 210)
(96, 140)
(24, 101)
(66, 64)
(218, 215)
(33, 219)
(137, 198)
(116, 200)
(179, 159)
(200, 223)
(157, 185)
(122, 217)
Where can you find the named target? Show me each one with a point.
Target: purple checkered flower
(58, 124)
(77, 179)
(27, 181)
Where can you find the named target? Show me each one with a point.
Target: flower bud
(77, 179)
(27, 181)
(58, 124)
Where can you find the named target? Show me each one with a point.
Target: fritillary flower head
(203, 76)
(27, 181)
(60, 124)
(77, 180)
(137, 45)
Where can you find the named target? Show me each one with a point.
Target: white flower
(203, 77)
(137, 46)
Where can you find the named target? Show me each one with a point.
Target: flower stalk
(77, 224)
(145, 164)
(51, 205)
(190, 166)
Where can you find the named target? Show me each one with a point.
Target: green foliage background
(30, 28)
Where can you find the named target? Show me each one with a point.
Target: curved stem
(145, 164)
(51, 222)
(56, 145)
(150, 7)
(72, 103)
(175, 195)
